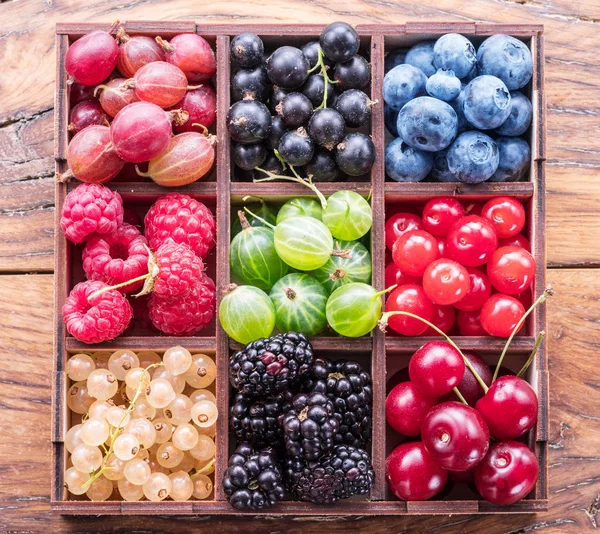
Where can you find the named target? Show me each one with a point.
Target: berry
(309, 427)
(249, 84)
(473, 157)
(436, 368)
(326, 127)
(248, 156)
(353, 74)
(339, 41)
(314, 90)
(287, 67)
(102, 318)
(507, 58)
(500, 314)
(469, 323)
(393, 59)
(404, 163)
(277, 131)
(519, 119)
(91, 209)
(247, 50)
(252, 479)
(135, 52)
(322, 167)
(409, 298)
(443, 85)
(92, 58)
(406, 408)
(248, 121)
(506, 214)
(390, 117)
(445, 282)
(84, 114)
(346, 472)
(295, 109)
(270, 365)
(469, 387)
(399, 224)
(414, 251)
(115, 94)
(440, 213)
(514, 156)
(479, 291)
(443, 318)
(355, 107)
(296, 147)
(486, 102)
(511, 270)
(394, 276)
(201, 106)
(159, 82)
(117, 257)
(471, 241)
(421, 56)
(179, 269)
(355, 155)
(402, 84)
(311, 53)
(192, 54)
(516, 241)
(454, 52)
(182, 219)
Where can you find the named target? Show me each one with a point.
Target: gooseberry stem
(384, 321)
(243, 221)
(526, 365)
(548, 292)
(259, 218)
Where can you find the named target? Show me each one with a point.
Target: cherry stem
(460, 396)
(259, 218)
(384, 321)
(538, 342)
(326, 79)
(548, 292)
(122, 284)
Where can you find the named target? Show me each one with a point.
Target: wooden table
(26, 253)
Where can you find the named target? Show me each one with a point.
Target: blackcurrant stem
(538, 342)
(122, 284)
(547, 293)
(280, 158)
(460, 396)
(384, 321)
(296, 178)
(326, 78)
(259, 218)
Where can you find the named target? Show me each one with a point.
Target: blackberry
(270, 365)
(252, 479)
(348, 386)
(346, 472)
(256, 420)
(310, 426)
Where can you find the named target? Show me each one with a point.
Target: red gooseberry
(84, 114)
(445, 282)
(114, 95)
(92, 58)
(201, 106)
(479, 291)
(511, 270)
(159, 82)
(440, 213)
(414, 251)
(500, 314)
(192, 54)
(506, 214)
(79, 93)
(136, 51)
(412, 299)
(471, 241)
(398, 224)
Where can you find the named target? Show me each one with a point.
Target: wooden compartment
(384, 355)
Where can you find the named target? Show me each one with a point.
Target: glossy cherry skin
(500, 314)
(465, 477)
(413, 252)
(506, 214)
(517, 404)
(518, 240)
(394, 276)
(455, 435)
(474, 207)
(469, 323)
(507, 473)
(471, 241)
(468, 386)
(443, 318)
(409, 298)
(439, 214)
(445, 282)
(525, 298)
(412, 474)
(511, 270)
(442, 247)
(479, 291)
(436, 368)
(406, 407)
(400, 223)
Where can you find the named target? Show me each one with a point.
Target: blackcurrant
(249, 83)
(355, 155)
(296, 148)
(277, 130)
(249, 156)
(295, 109)
(277, 95)
(353, 74)
(271, 164)
(322, 167)
(287, 67)
(313, 89)
(355, 107)
(339, 41)
(248, 121)
(326, 128)
(311, 52)
(247, 50)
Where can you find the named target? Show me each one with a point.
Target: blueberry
(393, 59)
(473, 157)
(355, 107)
(472, 74)
(443, 85)
(322, 167)
(295, 110)
(457, 106)
(406, 164)
(402, 84)
(440, 170)
(486, 102)
(249, 156)
(247, 50)
(353, 74)
(455, 52)
(355, 155)
(515, 156)
(287, 67)
(314, 87)
(390, 117)
(506, 58)
(339, 41)
(277, 130)
(427, 124)
(296, 148)
(421, 56)
(249, 83)
(521, 113)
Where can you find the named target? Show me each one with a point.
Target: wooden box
(384, 355)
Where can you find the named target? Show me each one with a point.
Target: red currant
(479, 291)
(439, 214)
(443, 318)
(506, 214)
(398, 224)
(471, 241)
(518, 240)
(394, 276)
(500, 314)
(436, 368)
(406, 407)
(469, 323)
(511, 270)
(409, 298)
(445, 282)
(414, 251)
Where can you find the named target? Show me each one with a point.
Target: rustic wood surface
(26, 246)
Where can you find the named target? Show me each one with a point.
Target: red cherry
(471, 241)
(466, 477)
(394, 276)
(443, 318)
(442, 248)
(525, 298)
(500, 314)
(412, 474)
(474, 207)
(469, 388)
(469, 323)
(479, 291)
(414, 251)
(396, 378)
(445, 282)
(406, 407)
(516, 400)
(508, 473)
(398, 224)
(409, 298)
(511, 270)
(455, 435)
(506, 214)
(439, 214)
(436, 368)
(518, 240)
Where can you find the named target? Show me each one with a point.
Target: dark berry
(272, 165)
(322, 167)
(353, 74)
(314, 90)
(248, 121)
(277, 95)
(339, 41)
(247, 50)
(311, 52)
(355, 155)
(295, 109)
(277, 130)
(390, 117)
(326, 128)
(287, 67)
(296, 148)
(249, 156)
(393, 59)
(249, 83)
(355, 107)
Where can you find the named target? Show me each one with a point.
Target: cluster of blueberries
(456, 112)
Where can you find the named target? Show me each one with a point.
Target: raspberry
(117, 257)
(182, 219)
(178, 270)
(185, 316)
(91, 209)
(100, 319)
